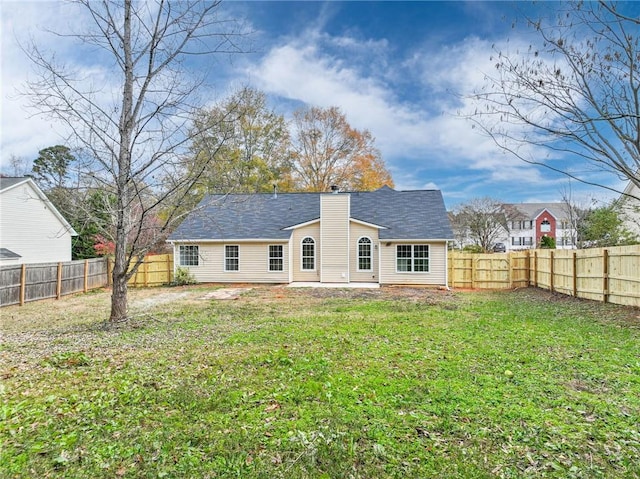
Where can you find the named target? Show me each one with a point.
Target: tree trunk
(118, 295)
(123, 180)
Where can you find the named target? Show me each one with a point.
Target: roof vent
(335, 189)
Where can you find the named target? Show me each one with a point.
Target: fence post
(605, 275)
(59, 282)
(86, 275)
(575, 274)
(108, 271)
(23, 283)
(169, 268)
(473, 272)
(145, 270)
(551, 270)
(535, 268)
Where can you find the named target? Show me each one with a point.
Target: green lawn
(323, 384)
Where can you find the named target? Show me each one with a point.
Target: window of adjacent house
(189, 255)
(364, 254)
(412, 258)
(231, 258)
(308, 254)
(276, 258)
(545, 226)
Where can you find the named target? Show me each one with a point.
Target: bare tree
(482, 221)
(576, 93)
(138, 131)
(18, 166)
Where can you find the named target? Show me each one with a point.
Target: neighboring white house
(31, 228)
(383, 236)
(629, 207)
(527, 224)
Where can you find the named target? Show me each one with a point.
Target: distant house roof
(406, 215)
(8, 254)
(533, 210)
(7, 183)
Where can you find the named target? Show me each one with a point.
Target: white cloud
(411, 135)
(22, 133)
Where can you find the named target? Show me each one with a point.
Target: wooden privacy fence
(155, 270)
(20, 284)
(602, 274)
(31, 282)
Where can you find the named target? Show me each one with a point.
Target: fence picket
(600, 274)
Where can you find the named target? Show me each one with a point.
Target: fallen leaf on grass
(272, 407)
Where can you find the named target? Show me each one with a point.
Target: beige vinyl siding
(31, 229)
(437, 265)
(312, 230)
(334, 238)
(358, 231)
(253, 260)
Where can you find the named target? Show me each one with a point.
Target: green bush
(182, 276)
(547, 242)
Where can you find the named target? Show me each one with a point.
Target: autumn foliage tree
(254, 140)
(327, 151)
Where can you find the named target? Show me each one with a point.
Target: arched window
(308, 254)
(364, 254)
(545, 226)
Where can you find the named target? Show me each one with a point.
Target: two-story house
(530, 222)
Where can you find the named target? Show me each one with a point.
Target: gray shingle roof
(406, 215)
(8, 182)
(8, 254)
(529, 211)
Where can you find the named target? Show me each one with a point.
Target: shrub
(182, 276)
(547, 242)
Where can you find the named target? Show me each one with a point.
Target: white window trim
(269, 270)
(224, 253)
(370, 254)
(315, 255)
(180, 255)
(413, 271)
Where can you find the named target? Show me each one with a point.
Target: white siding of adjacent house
(358, 231)
(253, 261)
(437, 265)
(30, 228)
(334, 238)
(313, 231)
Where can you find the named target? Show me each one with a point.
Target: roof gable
(7, 184)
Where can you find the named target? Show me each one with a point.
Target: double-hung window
(189, 255)
(276, 258)
(412, 258)
(308, 254)
(364, 254)
(232, 258)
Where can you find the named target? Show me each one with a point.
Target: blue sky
(394, 68)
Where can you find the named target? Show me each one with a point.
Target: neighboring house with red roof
(32, 230)
(383, 236)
